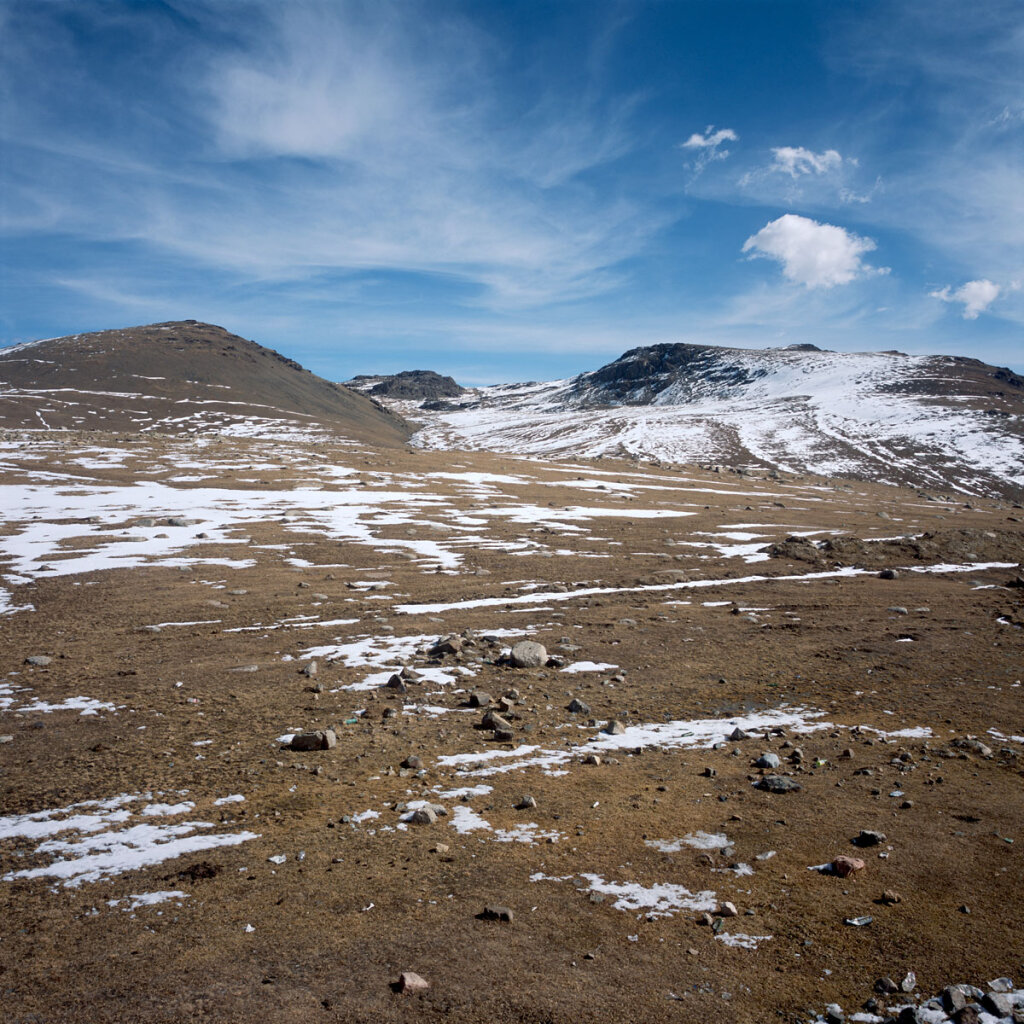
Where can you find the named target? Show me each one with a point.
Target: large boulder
(528, 654)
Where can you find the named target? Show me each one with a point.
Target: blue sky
(516, 190)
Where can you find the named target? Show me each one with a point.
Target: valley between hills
(296, 715)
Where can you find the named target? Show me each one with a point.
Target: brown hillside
(180, 377)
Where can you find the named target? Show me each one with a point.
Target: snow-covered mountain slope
(935, 422)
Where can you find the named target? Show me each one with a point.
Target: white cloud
(710, 139)
(976, 296)
(795, 161)
(812, 254)
(707, 145)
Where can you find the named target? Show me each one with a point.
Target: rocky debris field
(302, 731)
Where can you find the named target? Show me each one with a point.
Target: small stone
(480, 699)
(492, 720)
(738, 734)
(413, 761)
(526, 803)
(528, 654)
(320, 739)
(592, 759)
(614, 728)
(968, 1015)
(869, 838)
(410, 982)
(310, 669)
(997, 1004)
(395, 684)
(768, 760)
(447, 645)
(495, 913)
(888, 574)
(846, 866)
(954, 998)
(778, 784)
(886, 986)
(1003, 985)
(439, 848)
(727, 910)
(38, 660)
(424, 816)
(504, 735)
(6, 738)
(577, 707)
(890, 897)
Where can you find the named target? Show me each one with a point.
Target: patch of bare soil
(165, 855)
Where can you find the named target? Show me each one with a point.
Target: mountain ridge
(947, 422)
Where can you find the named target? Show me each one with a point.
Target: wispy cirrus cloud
(708, 146)
(337, 136)
(797, 161)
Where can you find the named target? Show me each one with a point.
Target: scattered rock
(409, 982)
(413, 761)
(890, 897)
(310, 669)
(614, 728)
(496, 913)
(869, 838)
(768, 760)
(526, 803)
(778, 784)
(424, 816)
(320, 739)
(997, 1004)
(577, 707)
(973, 744)
(38, 660)
(846, 866)
(888, 574)
(954, 998)
(737, 735)
(727, 910)
(528, 654)
(479, 699)
(395, 684)
(492, 720)
(591, 759)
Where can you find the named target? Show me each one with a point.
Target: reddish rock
(846, 866)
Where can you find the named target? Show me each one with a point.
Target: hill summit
(180, 377)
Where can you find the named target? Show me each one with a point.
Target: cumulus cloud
(812, 254)
(707, 145)
(976, 296)
(796, 161)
